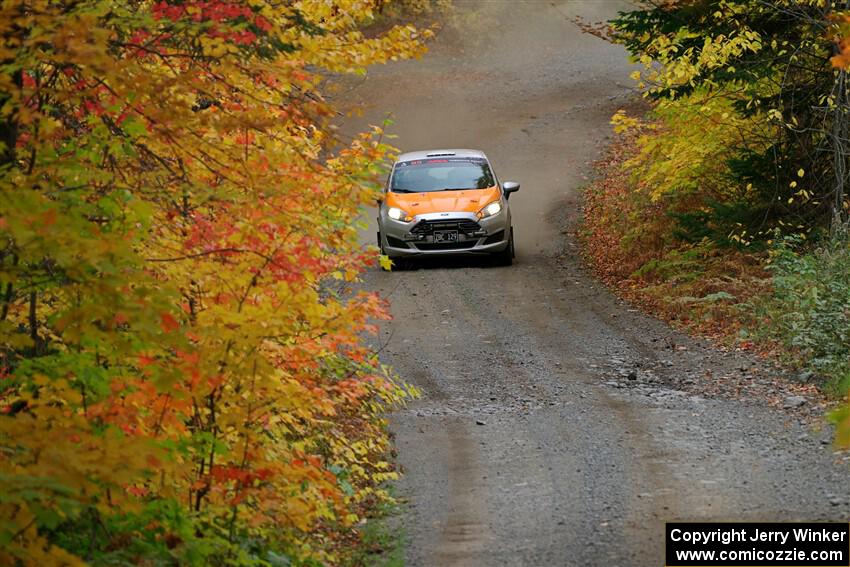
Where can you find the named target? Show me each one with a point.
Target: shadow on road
(447, 262)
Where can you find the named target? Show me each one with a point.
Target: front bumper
(416, 238)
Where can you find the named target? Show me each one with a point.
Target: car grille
(446, 245)
(427, 227)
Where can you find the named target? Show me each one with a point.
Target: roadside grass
(628, 240)
(383, 540)
(808, 311)
(785, 299)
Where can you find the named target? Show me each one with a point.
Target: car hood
(469, 201)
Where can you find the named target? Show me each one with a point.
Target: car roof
(425, 154)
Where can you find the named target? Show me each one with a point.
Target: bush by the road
(716, 208)
(809, 309)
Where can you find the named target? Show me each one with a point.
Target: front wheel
(506, 256)
(398, 264)
(382, 252)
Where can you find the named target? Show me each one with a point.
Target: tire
(506, 256)
(381, 250)
(399, 264)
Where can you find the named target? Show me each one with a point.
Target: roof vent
(440, 154)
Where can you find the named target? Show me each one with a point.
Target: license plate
(445, 236)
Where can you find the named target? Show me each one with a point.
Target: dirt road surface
(557, 426)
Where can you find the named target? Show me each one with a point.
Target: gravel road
(558, 426)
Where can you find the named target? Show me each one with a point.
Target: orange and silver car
(445, 202)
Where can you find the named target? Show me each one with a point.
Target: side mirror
(510, 187)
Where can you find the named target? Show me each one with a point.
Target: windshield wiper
(402, 190)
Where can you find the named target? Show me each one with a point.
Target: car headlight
(397, 214)
(490, 209)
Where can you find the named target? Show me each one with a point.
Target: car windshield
(443, 174)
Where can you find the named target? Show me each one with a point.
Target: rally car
(445, 202)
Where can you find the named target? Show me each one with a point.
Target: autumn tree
(725, 206)
(181, 358)
(766, 67)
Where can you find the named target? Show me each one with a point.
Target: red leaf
(168, 322)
